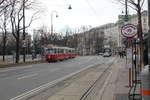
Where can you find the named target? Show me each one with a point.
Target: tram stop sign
(129, 30)
(24, 43)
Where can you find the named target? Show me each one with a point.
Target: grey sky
(84, 12)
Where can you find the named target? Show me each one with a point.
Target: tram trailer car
(54, 53)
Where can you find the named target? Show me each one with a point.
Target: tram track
(104, 76)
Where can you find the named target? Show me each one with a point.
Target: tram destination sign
(129, 30)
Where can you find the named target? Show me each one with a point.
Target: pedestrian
(33, 56)
(122, 54)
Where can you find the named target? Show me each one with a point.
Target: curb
(19, 64)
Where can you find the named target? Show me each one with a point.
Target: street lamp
(52, 20)
(69, 7)
(126, 10)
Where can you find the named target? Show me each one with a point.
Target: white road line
(45, 86)
(104, 86)
(27, 76)
(54, 69)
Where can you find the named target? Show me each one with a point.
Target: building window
(144, 20)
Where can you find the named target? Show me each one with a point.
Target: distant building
(134, 20)
(112, 35)
(10, 42)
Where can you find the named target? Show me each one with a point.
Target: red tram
(54, 53)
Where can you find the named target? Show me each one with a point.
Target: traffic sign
(24, 43)
(129, 30)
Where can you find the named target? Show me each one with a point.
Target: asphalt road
(16, 81)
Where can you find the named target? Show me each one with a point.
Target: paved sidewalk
(122, 89)
(77, 88)
(13, 64)
(116, 87)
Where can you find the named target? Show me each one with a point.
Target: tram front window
(50, 51)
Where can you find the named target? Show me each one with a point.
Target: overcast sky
(83, 12)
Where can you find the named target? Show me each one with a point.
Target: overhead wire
(92, 9)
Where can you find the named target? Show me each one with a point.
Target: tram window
(50, 51)
(55, 51)
(59, 51)
(69, 51)
(65, 51)
(62, 51)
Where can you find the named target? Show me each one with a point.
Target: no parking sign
(129, 30)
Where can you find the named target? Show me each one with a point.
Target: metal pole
(149, 33)
(126, 10)
(51, 23)
(126, 7)
(24, 37)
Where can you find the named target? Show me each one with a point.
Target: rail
(93, 92)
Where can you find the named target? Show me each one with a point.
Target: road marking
(104, 86)
(47, 85)
(55, 69)
(27, 76)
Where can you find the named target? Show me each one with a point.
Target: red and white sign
(24, 43)
(129, 30)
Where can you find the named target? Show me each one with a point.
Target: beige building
(94, 40)
(10, 41)
(11, 38)
(90, 42)
(134, 20)
(112, 36)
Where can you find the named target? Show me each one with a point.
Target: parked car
(106, 54)
(100, 53)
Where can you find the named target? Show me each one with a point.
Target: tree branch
(142, 3)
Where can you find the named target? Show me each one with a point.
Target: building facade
(11, 42)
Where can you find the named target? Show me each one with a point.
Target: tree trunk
(140, 35)
(4, 46)
(17, 47)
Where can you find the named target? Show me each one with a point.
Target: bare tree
(85, 31)
(3, 5)
(3, 27)
(16, 17)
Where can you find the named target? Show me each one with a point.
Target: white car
(101, 54)
(106, 54)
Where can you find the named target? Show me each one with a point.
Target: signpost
(24, 43)
(129, 31)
